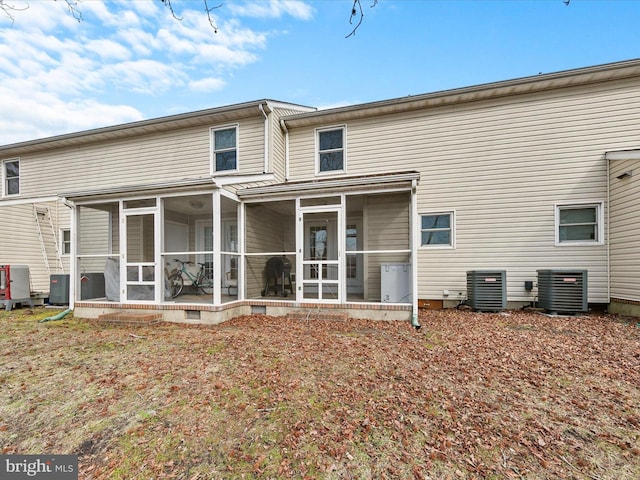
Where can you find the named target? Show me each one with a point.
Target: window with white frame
(579, 223)
(331, 151)
(224, 148)
(65, 241)
(11, 177)
(436, 229)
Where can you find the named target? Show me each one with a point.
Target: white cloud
(273, 9)
(108, 49)
(207, 84)
(44, 114)
(145, 76)
(53, 69)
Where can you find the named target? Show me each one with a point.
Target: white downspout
(414, 255)
(283, 125)
(266, 139)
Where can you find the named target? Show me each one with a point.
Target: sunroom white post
(342, 250)
(122, 287)
(299, 252)
(217, 258)
(241, 267)
(73, 262)
(158, 222)
(414, 232)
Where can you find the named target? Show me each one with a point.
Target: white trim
(599, 205)
(318, 131)
(451, 246)
(212, 157)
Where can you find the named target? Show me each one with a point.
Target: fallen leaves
(471, 395)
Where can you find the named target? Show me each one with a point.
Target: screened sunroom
(284, 246)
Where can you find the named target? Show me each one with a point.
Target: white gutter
(266, 138)
(623, 155)
(132, 189)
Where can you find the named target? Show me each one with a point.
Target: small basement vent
(562, 290)
(487, 290)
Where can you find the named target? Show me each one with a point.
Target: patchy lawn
(470, 395)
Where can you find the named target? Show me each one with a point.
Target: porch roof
(334, 185)
(205, 183)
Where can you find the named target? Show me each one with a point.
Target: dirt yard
(469, 396)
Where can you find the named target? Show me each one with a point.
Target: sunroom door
(140, 264)
(321, 256)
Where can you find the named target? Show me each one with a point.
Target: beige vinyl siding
(625, 245)
(21, 244)
(266, 230)
(277, 150)
(386, 227)
(147, 159)
(95, 226)
(251, 146)
(502, 166)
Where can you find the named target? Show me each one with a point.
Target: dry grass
(471, 395)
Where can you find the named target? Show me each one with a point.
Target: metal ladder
(44, 221)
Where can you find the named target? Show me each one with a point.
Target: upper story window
(224, 149)
(11, 174)
(331, 150)
(436, 230)
(579, 224)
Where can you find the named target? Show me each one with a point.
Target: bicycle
(201, 281)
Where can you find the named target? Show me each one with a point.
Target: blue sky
(130, 60)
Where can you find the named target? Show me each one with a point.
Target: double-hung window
(11, 174)
(579, 224)
(65, 241)
(224, 149)
(331, 150)
(436, 229)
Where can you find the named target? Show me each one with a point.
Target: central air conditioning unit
(563, 290)
(487, 290)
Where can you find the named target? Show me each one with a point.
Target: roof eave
(541, 82)
(201, 117)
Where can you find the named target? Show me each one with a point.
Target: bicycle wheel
(176, 284)
(205, 283)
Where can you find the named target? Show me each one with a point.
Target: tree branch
(356, 11)
(74, 10)
(7, 9)
(209, 10)
(169, 5)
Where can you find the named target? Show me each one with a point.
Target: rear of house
(369, 210)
